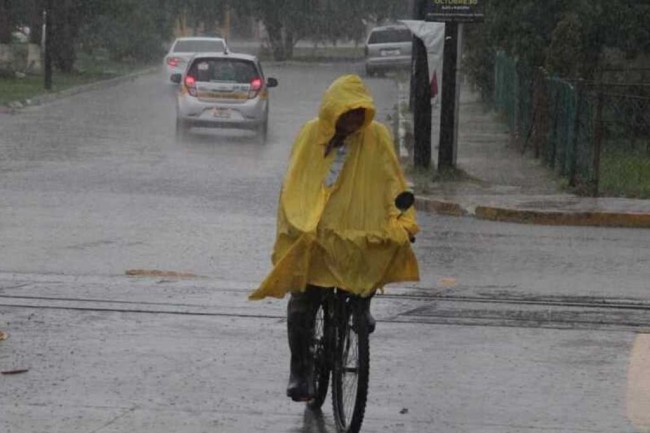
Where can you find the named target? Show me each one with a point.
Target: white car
(223, 90)
(183, 49)
(388, 48)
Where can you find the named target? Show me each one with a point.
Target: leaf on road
(448, 282)
(3, 335)
(18, 371)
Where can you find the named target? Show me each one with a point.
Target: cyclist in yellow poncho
(337, 222)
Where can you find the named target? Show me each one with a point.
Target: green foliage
(128, 30)
(478, 62)
(568, 37)
(565, 55)
(625, 174)
(136, 29)
(288, 21)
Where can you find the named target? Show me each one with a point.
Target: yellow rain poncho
(349, 235)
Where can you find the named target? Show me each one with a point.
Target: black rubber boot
(300, 326)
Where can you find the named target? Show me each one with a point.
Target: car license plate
(390, 53)
(221, 113)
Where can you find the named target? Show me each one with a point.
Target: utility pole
(448, 100)
(227, 23)
(47, 45)
(421, 96)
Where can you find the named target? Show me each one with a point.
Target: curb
(595, 219)
(440, 207)
(535, 217)
(14, 106)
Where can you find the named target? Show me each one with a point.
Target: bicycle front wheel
(351, 369)
(320, 350)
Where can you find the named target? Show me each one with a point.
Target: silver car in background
(183, 49)
(388, 48)
(223, 90)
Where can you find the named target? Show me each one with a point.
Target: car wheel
(182, 129)
(370, 72)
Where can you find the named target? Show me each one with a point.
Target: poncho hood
(344, 94)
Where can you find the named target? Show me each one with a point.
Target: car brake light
(172, 61)
(256, 86)
(190, 84)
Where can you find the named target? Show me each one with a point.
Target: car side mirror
(175, 78)
(271, 82)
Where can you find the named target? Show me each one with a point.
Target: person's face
(351, 121)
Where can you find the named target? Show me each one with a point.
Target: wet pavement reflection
(313, 421)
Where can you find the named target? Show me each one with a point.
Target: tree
(6, 22)
(565, 56)
(285, 21)
(288, 21)
(567, 37)
(67, 17)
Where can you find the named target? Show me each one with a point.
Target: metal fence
(595, 134)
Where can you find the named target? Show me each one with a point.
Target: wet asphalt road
(96, 184)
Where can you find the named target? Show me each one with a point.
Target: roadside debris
(17, 371)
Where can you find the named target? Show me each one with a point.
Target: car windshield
(233, 70)
(390, 35)
(198, 46)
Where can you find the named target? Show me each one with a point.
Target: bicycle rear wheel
(351, 368)
(320, 350)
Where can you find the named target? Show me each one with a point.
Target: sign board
(465, 11)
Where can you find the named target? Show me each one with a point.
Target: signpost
(453, 13)
(455, 10)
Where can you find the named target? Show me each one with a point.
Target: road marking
(638, 384)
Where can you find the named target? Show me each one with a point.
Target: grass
(88, 70)
(20, 89)
(625, 174)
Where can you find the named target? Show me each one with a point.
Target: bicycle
(340, 350)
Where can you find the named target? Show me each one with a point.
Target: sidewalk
(503, 185)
